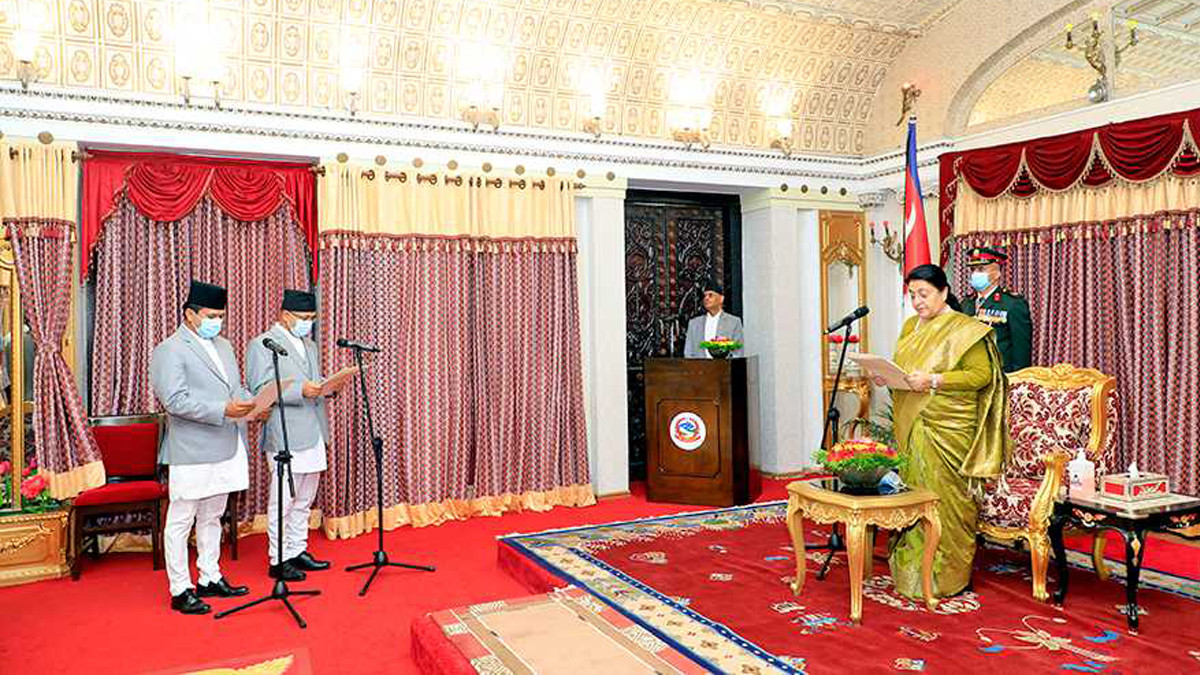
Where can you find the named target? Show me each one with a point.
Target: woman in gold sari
(951, 426)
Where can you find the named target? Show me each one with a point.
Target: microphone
(348, 344)
(274, 346)
(849, 319)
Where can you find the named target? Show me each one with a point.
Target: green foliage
(879, 429)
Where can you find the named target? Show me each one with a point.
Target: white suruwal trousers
(307, 466)
(206, 513)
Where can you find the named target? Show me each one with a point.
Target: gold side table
(857, 513)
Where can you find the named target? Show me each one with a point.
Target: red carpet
(115, 619)
(1163, 555)
(729, 570)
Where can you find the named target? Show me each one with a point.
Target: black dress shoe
(285, 572)
(188, 602)
(221, 589)
(304, 561)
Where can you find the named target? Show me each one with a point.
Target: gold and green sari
(952, 439)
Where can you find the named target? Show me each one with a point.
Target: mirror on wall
(844, 289)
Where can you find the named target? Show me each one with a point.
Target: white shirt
(199, 481)
(710, 328)
(311, 459)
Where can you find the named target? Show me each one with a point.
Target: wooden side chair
(129, 449)
(1053, 412)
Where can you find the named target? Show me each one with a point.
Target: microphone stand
(283, 468)
(379, 559)
(830, 433)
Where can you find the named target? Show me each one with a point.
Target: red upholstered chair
(129, 450)
(1052, 414)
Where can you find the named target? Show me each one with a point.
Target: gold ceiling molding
(832, 54)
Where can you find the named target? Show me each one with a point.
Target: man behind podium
(307, 426)
(713, 324)
(196, 379)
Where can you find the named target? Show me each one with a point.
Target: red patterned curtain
(167, 187)
(1117, 297)
(1135, 151)
(143, 267)
(478, 393)
(66, 451)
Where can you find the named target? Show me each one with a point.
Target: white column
(600, 221)
(782, 286)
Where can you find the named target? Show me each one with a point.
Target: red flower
(5, 467)
(26, 471)
(33, 486)
(853, 339)
(835, 339)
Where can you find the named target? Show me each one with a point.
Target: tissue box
(1145, 486)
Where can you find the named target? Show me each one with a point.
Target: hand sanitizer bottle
(1081, 476)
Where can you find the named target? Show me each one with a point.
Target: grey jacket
(306, 419)
(728, 326)
(191, 389)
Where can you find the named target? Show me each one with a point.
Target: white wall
(600, 219)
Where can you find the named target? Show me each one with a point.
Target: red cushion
(128, 449)
(123, 493)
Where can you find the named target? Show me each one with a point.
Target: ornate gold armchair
(1053, 412)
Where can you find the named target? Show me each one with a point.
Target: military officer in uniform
(195, 377)
(1005, 311)
(307, 426)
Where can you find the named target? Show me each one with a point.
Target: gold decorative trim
(12, 545)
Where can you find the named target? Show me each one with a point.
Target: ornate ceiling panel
(1052, 78)
(829, 55)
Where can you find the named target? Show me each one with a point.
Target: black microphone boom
(274, 346)
(849, 318)
(348, 344)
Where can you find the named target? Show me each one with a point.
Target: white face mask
(302, 327)
(980, 281)
(209, 328)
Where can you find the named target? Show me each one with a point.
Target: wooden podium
(696, 449)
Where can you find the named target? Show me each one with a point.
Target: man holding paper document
(950, 410)
(307, 424)
(195, 377)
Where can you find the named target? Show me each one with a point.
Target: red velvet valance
(1137, 150)
(166, 187)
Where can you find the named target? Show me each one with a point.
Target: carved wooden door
(673, 245)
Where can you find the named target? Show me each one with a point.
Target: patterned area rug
(289, 662)
(715, 585)
(528, 635)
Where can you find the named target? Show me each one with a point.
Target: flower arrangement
(721, 347)
(858, 454)
(35, 488)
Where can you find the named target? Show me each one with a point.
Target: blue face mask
(209, 328)
(302, 328)
(980, 281)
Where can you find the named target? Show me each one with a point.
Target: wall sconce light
(784, 141)
(690, 119)
(475, 116)
(352, 85)
(216, 87)
(25, 52)
(484, 68)
(909, 93)
(593, 83)
(185, 89)
(1093, 53)
(891, 245)
(690, 127)
(353, 61)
